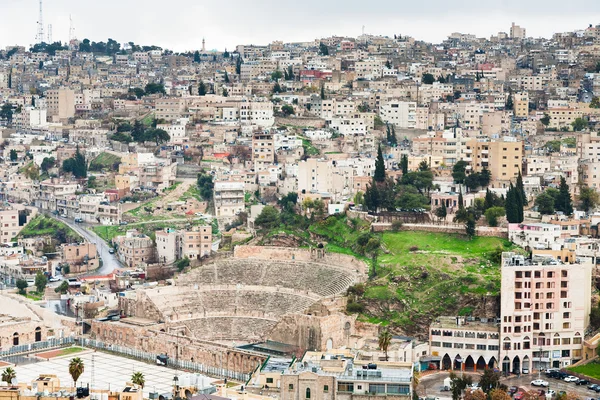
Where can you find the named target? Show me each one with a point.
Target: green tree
(202, 90)
(509, 102)
(588, 197)
(40, 282)
(489, 380)
(76, 369)
(492, 214)
(287, 109)
(13, 155)
(225, 93)
(485, 176)
(226, 78)
(459, 173)
(423, 166)
(579, 124)
(564, 202)
(157, 135)
(63, 288)
(238, 65)
(428, 79)
(323, 50)
(276, 75)
(545, 203)
(379, 175)
(76, 165)
(205, 185)
(595, 103)
(154, 88)
(268, 218)
(182, 264)
(277, 88)
(322, 92)
(21, 286)
(441, 212)
(513, 206)
(138, 379)
(472, 181)
(521, 189)
(545, 120)
(196, 56)
(47, 163)
(6, 113)
(9, 375)
(385, 339)
(371, 197)
(404, 164)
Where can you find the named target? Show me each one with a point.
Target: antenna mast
(71, 29)
(40, 32)
(49, 33)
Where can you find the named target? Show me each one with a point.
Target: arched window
(308, 393)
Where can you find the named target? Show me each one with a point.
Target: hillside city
(338, 219)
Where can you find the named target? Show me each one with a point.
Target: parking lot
(430, 385)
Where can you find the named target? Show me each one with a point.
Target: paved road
(109, 261)
(430, 385)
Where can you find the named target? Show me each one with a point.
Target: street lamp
(175, 386)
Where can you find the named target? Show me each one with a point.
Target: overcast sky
(180, 24)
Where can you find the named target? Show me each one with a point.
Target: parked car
(525, 370)
(597, 389)
(55, 278)
(582, 382)
(111, 251)
(539, 382)
(78, 220)
(518, 396)
(571, 378)
(593, 386)
(123, 223)
(512, 390)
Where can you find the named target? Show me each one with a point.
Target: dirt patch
(4, 364)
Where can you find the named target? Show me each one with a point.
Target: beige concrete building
(545, 309)
(134, 248)
(521, 104)
(502, 158)
(263, 151)
(196, 243)
(229, 198)
(61, 103)
(464, 344)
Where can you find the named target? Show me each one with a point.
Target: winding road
(110, 262)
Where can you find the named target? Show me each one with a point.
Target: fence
(28, 348)
(177, 364)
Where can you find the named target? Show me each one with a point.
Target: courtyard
(102, 371)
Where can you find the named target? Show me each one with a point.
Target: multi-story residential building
(196, 243)
(229, 198)
(502, 158)
(516, 32)
(263, 150)
(534, 235)
(61, 103)
(545, 308)
(521, 104)
(465, 344)
(134, 248)
(403, 114)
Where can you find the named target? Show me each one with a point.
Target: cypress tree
(379, 175)
(461, 202)
(404, 164)
(489, 200)
(521, 189)
(563, 201)
(511, 206)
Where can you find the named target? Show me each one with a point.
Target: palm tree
(385, 338)
(9, 375)
(138, 379)
(76, 369)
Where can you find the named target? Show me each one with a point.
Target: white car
(539, 382)
(55, 279)
(571, 378)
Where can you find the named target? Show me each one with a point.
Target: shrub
(396, 225)
(358, 289)
(22, 285)
(353, 307)
(414, 248)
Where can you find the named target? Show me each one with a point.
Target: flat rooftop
(482, 324)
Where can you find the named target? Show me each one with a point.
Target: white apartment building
(229, 198)
(534, 235)
(545, 309)
(402, 114)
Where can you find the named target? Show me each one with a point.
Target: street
(109, 261)
(430, 385)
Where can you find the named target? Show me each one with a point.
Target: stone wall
(151, 339)
(448, 228)
(301, 121)
(309, 255)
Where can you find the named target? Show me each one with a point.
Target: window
(291, 386)
(577, 340)
(325, 388)
(307, 393)
(269, 380)
(345, 387)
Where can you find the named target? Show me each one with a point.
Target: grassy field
(591, 369)
(309, 148)
(192, 192)
(419, 275)
(42, 225)
(104, 161)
